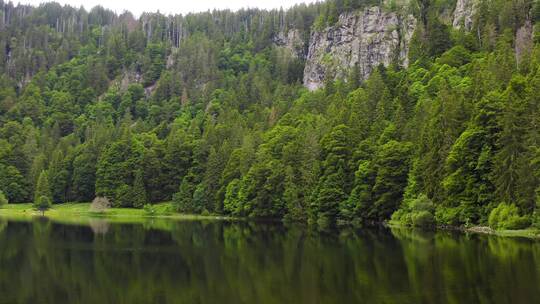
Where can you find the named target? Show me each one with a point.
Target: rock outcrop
(464, 13)
(291, 41)
(362, 39)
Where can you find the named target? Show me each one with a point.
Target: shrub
(423, 219)
(536, 214)
(3, 199)
(516, 223)
(149, 209)
(450, 216)
(417, 212)
(507, 217)
(536, 219)
(399, 215)
(100, 204)
(422, 203)
(455, 57)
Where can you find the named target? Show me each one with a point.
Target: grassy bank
(80, 213)
(76, 212)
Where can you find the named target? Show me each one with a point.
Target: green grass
(531, 233)
(80, 212)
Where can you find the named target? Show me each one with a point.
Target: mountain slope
(341, 112)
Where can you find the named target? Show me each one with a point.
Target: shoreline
(80, 213)
(529, 233)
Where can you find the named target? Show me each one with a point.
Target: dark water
(219, 262)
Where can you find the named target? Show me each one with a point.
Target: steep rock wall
(363, 40)
(464, 13)
(291, 41)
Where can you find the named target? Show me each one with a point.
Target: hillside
(342, 112)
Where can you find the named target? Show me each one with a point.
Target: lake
(161, 261)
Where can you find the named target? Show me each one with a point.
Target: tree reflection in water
(222, 262)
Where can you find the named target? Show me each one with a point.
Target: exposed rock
(464, 13)
(524, 41)
(362, 39)
(170, 60)
(292, 41)
(129, 77)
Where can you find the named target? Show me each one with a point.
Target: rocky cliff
(362, 39)
(464, 13)
(291, 41)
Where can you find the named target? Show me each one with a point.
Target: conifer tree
(139, 191)
(42, 194)
(3, 199)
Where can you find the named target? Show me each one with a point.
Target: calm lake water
(221, 262)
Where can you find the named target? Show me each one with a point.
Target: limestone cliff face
(291, 41)
(363, 40)
(464, 13)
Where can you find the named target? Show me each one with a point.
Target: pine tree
(3, 199)
(183, 199)
(509, 160)
(42, 194)
(139, 191)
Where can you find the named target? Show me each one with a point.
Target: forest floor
(77, 212)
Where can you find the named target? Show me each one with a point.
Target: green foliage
(183, 199)
(208, 111)
(43, 203)
(123, 196)
(455, 57)
(3, 199)
(42, 189)
(149, 210)
(417, 212)
(422, 219)
(535, 219)
(449, 216)
(139, 191)
(507, 216)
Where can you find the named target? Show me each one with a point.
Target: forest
(206, 111)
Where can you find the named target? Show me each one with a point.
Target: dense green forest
(205, 110)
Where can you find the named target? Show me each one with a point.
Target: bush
(3, 199)
(417, 212)
(536, 214)
(517, 223)
(536, 219)
(149, 210)
(449, 216)
(422, 203)
(100, 204)
(455, 57)
(423, 219)
(507, 217)
(399, 215)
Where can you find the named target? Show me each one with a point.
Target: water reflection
(99, 226)
(221, 262)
